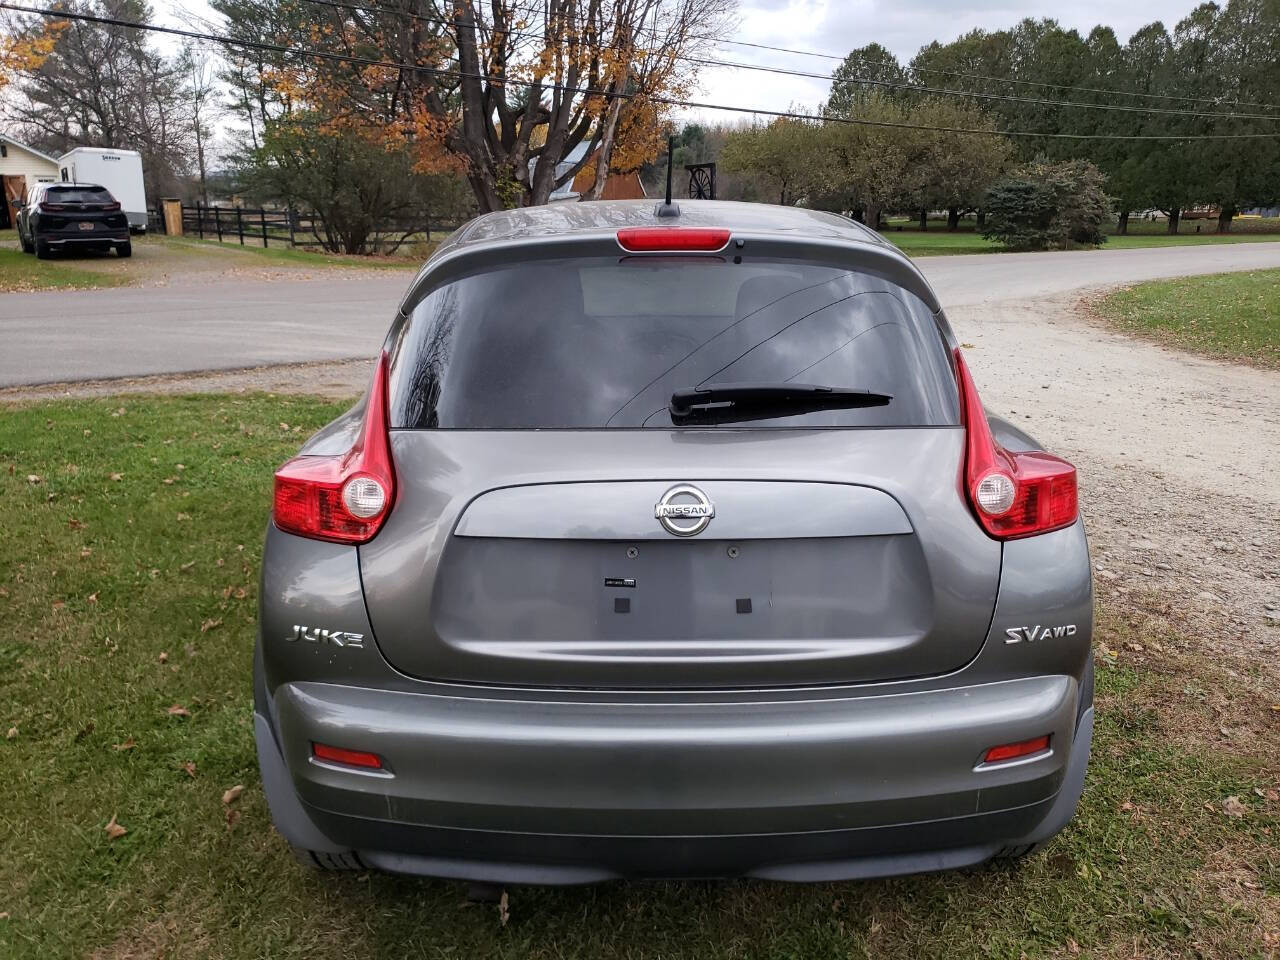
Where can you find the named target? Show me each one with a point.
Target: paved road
(79, 335)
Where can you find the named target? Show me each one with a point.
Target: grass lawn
(411, 258)
(128, 582)
(21, 272)
(157, 258)
(937, 240)
(1232, 315)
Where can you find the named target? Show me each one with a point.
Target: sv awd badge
(1030, 634)
(338, 638)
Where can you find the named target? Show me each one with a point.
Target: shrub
(1045, 205)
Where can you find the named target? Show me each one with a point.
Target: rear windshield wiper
(738, 402)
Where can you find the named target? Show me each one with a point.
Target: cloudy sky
(838, 26)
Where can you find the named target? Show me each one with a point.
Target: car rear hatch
(556, 524)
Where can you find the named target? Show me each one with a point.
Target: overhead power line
(888, 84)
(595, 91)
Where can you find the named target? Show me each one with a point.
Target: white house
(20, 167)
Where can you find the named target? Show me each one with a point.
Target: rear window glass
(603, 343)
(78, 195)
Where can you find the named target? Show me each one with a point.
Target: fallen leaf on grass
(127, 745)
(117, 477)
(178, 710)
(86, 552)
(12, 734)
(233, 794)
(114, 830)
(184, 516)
(75, 524)
(187, 566)
(164, 657)
(210, 624)
(1234, 807)
(504, 912)
(33, 478)
(232, 817)
(189, 768)
(93, 597)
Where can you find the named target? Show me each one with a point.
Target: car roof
(74, 185)
(579, 226)
(563, 219)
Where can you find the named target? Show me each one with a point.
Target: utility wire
(595, 91)
(889, 84)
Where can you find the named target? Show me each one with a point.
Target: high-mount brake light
(1014, 493)
(673, 239)
(346, 497)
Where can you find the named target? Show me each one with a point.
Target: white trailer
(120, 171)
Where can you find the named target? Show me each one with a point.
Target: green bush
(1044, 206)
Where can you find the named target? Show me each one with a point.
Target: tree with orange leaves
(502, 93)
(22, 53)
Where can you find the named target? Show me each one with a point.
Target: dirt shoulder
(338, 380)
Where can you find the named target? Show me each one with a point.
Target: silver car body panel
(833, 726)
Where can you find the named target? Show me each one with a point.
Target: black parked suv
(60, 216)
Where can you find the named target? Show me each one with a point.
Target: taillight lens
(1014, 494)
(673, 239)
(110, 207)
(1014, 751)
(52, 207)
(343, 498)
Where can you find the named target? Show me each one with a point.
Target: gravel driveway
(1178, 455)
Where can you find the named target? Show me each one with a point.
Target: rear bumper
(548, 791)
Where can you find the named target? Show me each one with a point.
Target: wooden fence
(260, 226)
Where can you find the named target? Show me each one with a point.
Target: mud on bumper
(520, 791)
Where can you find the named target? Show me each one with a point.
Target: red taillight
(111, 207)
(352, 758)
(52, 207)
(1014, 494)
(672, 239)
(346, 497)
(1012, 751)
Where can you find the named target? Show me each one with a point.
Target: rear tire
(327, 862)
(42, 250)
(25, 244)
(124, 249)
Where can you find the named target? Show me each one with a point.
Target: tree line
(1215, 75)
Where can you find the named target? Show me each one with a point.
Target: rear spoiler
(877, 259)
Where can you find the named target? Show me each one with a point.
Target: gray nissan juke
(672, 546)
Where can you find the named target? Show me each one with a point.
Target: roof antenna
(667, 208)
